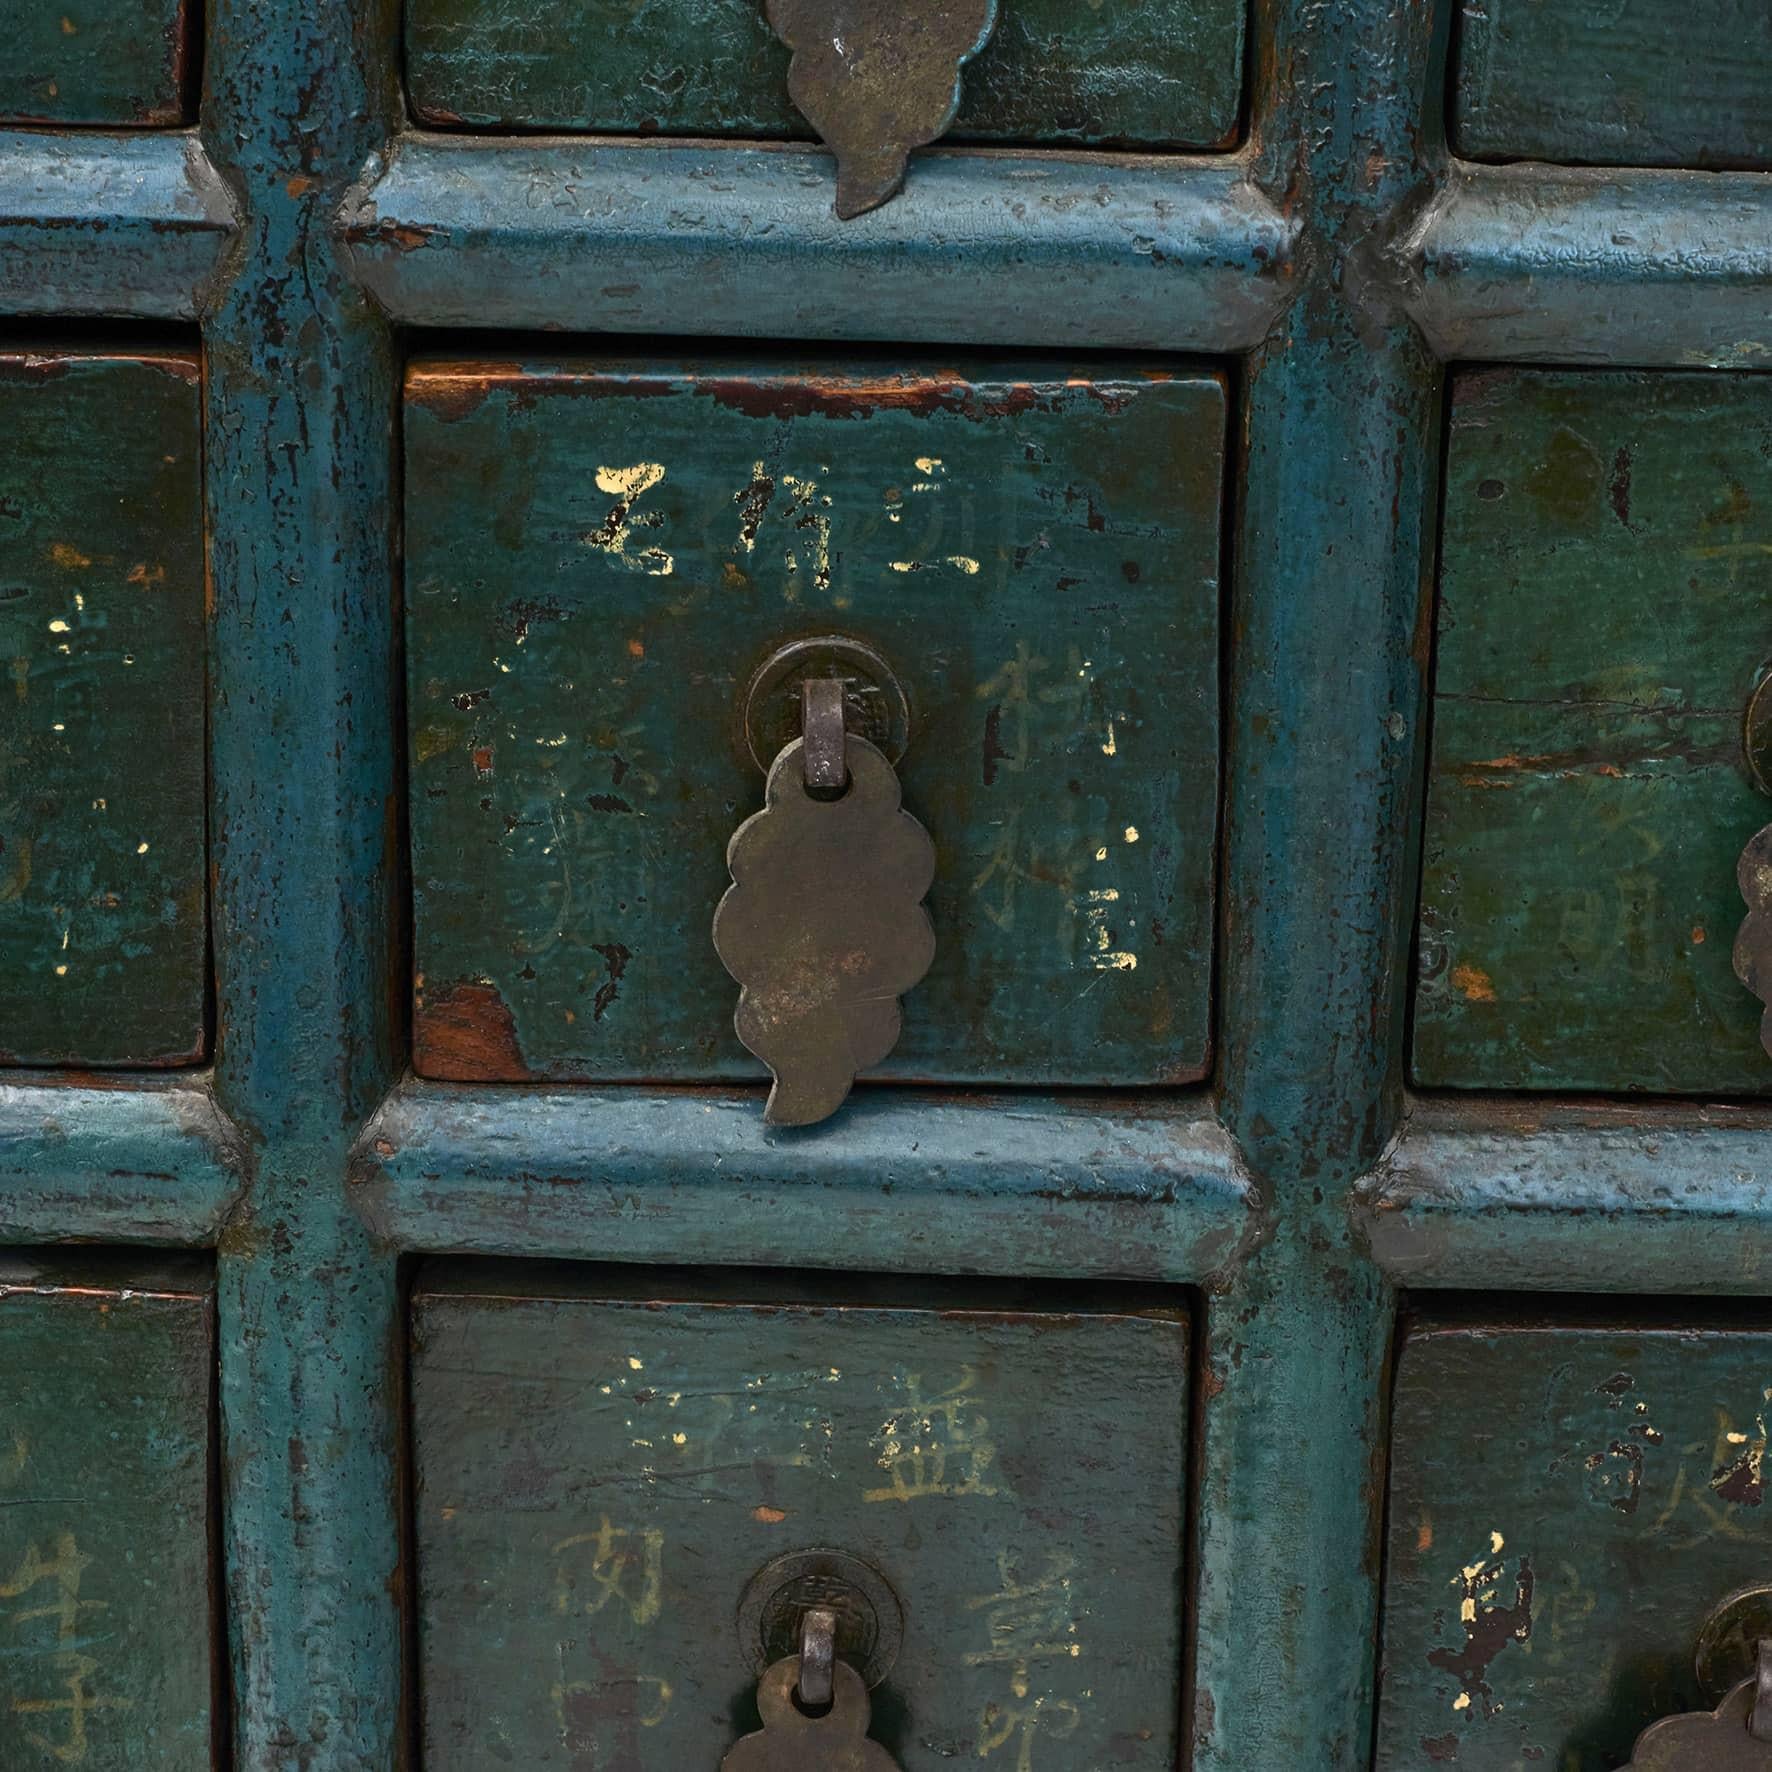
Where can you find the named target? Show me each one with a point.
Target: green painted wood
(599, 1476)
(1621, 83)
(1567, 1505)
(103, 930)
(598, 557)
(1157, 73)
(120, 62)
(107, 1653)
(1604, 612)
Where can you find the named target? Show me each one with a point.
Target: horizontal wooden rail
(1506, 1195)
(983, 247)
(155, 1163)
(906, 1181)
(131, 225)
(1557, 264)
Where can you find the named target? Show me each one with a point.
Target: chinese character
(935, 1445)
(623, 1565)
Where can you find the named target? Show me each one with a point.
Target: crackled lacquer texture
(119, 62)
(598, 558)
(1162, 73)
(106, 1617)
(1616, 83)
(1567, 1506)
(1605, 608)
(599, 1477)
(103, 934)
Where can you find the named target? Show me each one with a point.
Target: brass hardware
(792, 1740)
(824, 927)
(778, 1599)
(877, 78)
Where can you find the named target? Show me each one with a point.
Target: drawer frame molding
(1344, 256)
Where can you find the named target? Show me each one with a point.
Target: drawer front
(106, 1600)
(1147, 72)
(1568, 1505)
(117, 62)
(1631, 83)
(1604, 614)
(103, 913)
(599, 1478)
(598, 559)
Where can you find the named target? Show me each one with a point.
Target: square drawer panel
(1151, 73)
(1567, 1506)
(103, 909)
(107, 1617)
(600, 555)
(1605, 610)
(602, 1472)
(1627, 83)
(116, 62)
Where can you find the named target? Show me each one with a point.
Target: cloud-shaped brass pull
(877, 78)
(1705, 1741)
(824, 927)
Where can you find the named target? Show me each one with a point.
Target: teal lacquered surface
(1575, 81)
(1141, 73)
(1568, 1504)
(106, 1530)
(1341, 227)
(104, 936)
(599, 556)
(104, 62)
(597, 1478)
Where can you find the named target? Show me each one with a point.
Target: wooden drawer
(601, 1472)
(1568, 1504)
(107, 1617)
(1147, 72)
(1628, 83)
(116, 62)
(1604, 614)
(103, 912)
(600, 554)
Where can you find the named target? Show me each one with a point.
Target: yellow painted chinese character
(622, 1565)
(938, 1445)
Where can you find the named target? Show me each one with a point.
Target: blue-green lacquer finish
(1337, 262)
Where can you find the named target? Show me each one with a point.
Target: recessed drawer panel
(601, 1475)
(600, 556)
(117, 62)
(106, 1605)
(103, 913)
(1628, 83)
(1568, 1506)
(1605, 613)
(1148, 72)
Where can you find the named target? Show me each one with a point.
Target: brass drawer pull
(877, 78)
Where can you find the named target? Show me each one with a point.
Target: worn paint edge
(135, 1163)
(986, 247)
(1574, 1196)
(906, 1180)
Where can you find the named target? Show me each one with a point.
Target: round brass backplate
(874, 702)
(1728, 1641)
(870, 1621)
(1756, 734)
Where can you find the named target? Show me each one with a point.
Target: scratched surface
(1618, 83)
(598, 557)
(103, 934)
(1604, 610)
(1567, 1506)
(1159, 73)
(105, 1581)
(120, 62)
(599, 1476)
